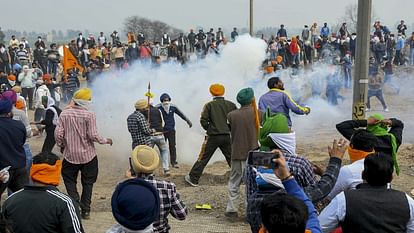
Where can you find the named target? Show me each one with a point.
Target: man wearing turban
(214, 121)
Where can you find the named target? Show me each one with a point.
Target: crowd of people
(282, 195)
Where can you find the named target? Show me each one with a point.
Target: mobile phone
(262, 158)
(130, 168)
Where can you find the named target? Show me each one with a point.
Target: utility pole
(251, 18)
(361, 59)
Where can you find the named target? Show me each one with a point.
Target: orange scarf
(256, 115)
(46, 174)
(355, 155)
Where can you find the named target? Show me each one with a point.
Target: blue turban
(135, 204)
(5, 106)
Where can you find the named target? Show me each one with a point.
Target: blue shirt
(280, 102)
(169, 120)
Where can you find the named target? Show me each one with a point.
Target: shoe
(175, 165)
(386, 110)
(187, 179)
(231, 214)
(85, 215)
(367, 109)
(167, 173)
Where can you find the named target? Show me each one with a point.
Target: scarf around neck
(380, 130)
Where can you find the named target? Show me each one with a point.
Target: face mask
(12, 83)
(39, 40)
(353, 37)
(134, 45)
(80, 37)
(166, 106)
(2, 49)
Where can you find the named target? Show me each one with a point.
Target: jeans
(52, 67)
(89, 174)
(412, 56)
(238, 168)
(377, 93)
(170, 137)
(29, 156)
(348, 76)
(28, 93)
(332, 95)
(159, 140)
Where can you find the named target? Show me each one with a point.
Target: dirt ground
(213, 184)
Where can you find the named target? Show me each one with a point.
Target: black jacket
(347, 129)
(37, 209)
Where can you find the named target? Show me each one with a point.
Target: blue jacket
(325, 32)
(169, 120)
(12, 139)
(400, 44)
(292, 188)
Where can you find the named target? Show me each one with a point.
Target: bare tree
(350, 17)
(151, 29)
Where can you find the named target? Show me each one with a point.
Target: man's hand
(281, 170)
(307, 110)
(109, 141)
(387, 122)
(338, 149)
(62, 149)
(372, 121)
(189, 123)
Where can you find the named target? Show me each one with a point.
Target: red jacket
(294, 48)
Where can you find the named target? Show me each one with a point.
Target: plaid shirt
(299, 167)
(316, 191)
(139, 129)
(170, 203)
(77, 133)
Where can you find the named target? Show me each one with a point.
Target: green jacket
(214, 116)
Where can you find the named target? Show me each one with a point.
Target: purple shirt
(280, 102)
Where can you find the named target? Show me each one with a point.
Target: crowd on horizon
(285, 192)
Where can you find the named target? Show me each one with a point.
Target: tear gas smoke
(238, 66)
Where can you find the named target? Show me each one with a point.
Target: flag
(70, 61)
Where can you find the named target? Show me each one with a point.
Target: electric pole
(361, 59)
(251, 18)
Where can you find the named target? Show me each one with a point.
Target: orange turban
(279, 59)
(217, 89)
(269, 69)
(46, 174)
(11, 77)
(20, 104)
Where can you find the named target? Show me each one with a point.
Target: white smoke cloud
(238, 66)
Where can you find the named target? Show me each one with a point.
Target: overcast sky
(107, 15)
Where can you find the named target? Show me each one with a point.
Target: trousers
(210, 145)
(89, 174)
(238, 168)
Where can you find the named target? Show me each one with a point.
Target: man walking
(244, 127)
(168, 110)
(76, 134)
(214, 121)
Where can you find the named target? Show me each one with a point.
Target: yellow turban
(217, 89)
(83, 94)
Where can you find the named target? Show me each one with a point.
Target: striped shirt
(77, 133)
(22, 55)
